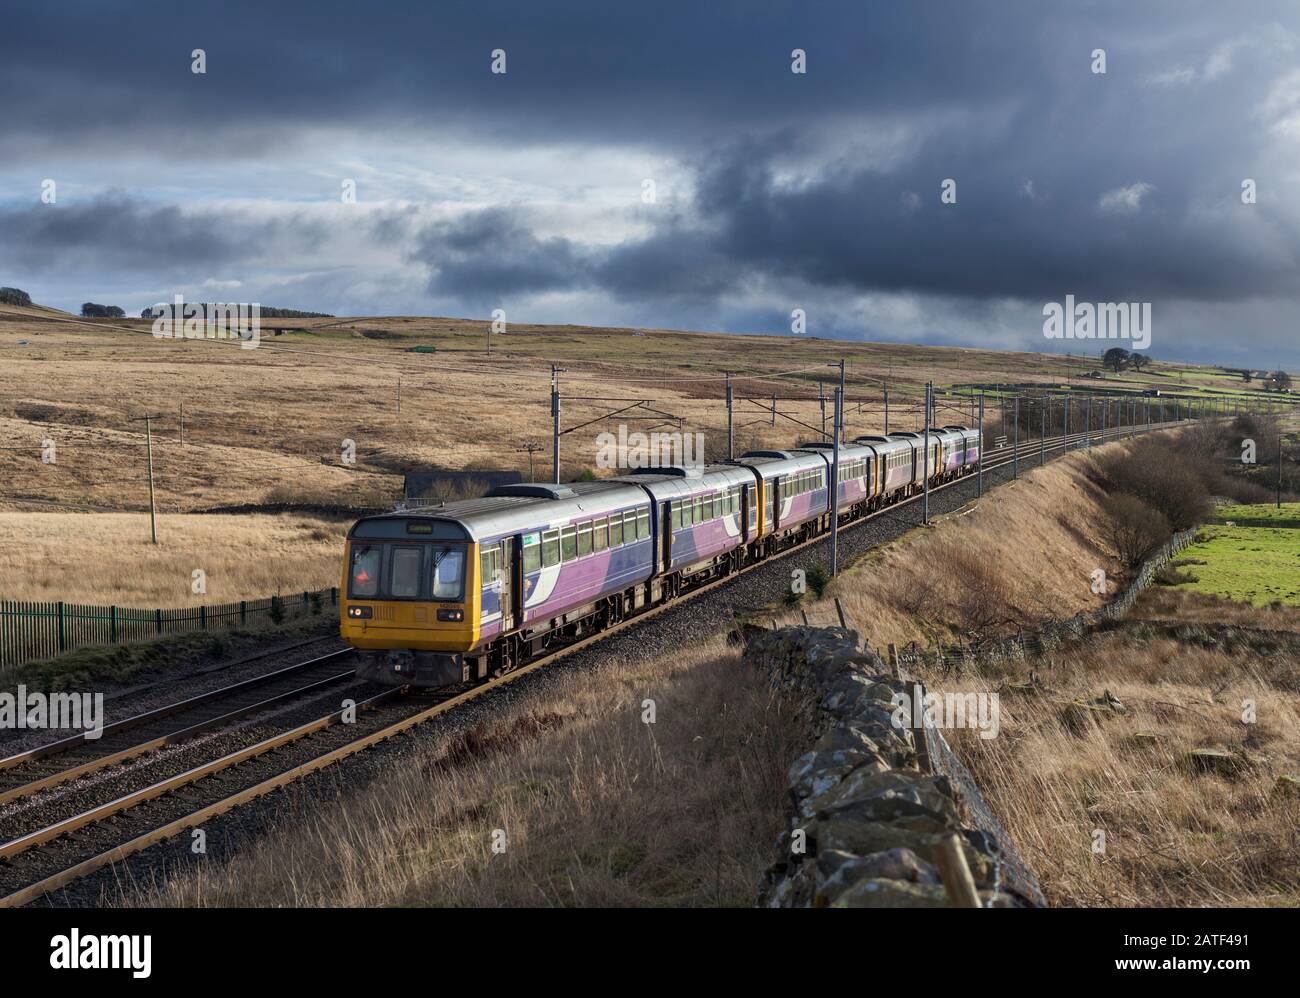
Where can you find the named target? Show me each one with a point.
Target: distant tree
(1138, 360)
(1277, 381)
(13, 296)
(1115, 358)
(92, 311)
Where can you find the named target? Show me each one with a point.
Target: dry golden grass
(1023, 553)
(597, 807)
(107, 558)
(1174, 836)
(277, 416)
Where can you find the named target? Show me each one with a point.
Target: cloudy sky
(529, 190)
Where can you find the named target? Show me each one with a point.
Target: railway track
(26, 773)
(56, 853)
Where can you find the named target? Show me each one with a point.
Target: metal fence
(33, 631)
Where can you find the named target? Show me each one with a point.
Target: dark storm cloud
(659, 73)
(1123, 186)
(116, 232)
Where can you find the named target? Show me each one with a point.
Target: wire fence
(32, 631)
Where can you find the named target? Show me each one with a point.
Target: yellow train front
(411, 600)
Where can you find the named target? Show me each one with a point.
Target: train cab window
(568, 543)
(448, 572)
(600, 534)
(365, 570)
(532, 553)
(615, 530)
(584, 539)
(643, 524)
(404, 572)
(551, 548)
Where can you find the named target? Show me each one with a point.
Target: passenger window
(532, 554)
(584, 539)
(600, 535)
(643, 524)
(404, 581)
(629, 526)
(615, 530)
(365, 571)
(551, 548)
(677, 517)
(568, 543)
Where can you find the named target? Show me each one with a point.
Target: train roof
(769, 463)
(669, 483)
(506, 509)
(884, 445)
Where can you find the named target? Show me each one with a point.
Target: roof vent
(533, 490)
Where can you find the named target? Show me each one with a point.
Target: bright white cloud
(1125, 200)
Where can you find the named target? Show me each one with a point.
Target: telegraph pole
(1042, 430)
(980, 466)
(731, 432)
(925, 443)
(532, 449)
(555, 419)
(835, 474)
(886, 409)
(1015, 454)
(148, 436)
(1279, 468)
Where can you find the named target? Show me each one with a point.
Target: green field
(1255, 560)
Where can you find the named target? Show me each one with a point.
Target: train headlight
(451, 616)
(360, 612)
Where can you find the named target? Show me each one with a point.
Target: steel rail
(171, 738)
(21, 844)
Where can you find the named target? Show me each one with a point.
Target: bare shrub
(982, 595)
(1135, 528)
(1161, 475)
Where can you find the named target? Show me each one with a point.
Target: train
(468, 590)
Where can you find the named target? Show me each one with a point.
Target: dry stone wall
(866, 825)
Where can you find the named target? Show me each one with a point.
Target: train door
(666, 531)
(774, 502)
(744, 512)
(509, 575)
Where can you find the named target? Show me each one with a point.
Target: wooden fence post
(839, 608)
(63, 637)
(243, 612)
(112, 624)
(955, 874)
(157, 619)
(203, 618)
